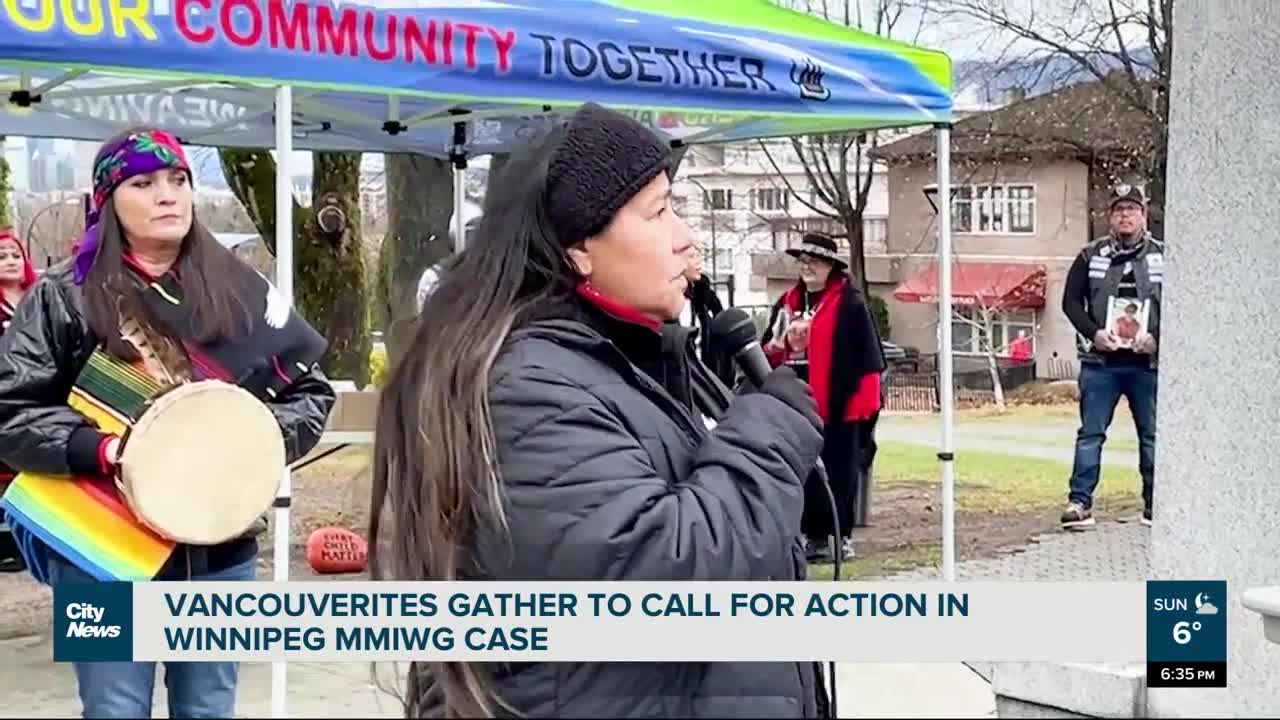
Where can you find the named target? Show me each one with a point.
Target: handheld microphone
(733, 333)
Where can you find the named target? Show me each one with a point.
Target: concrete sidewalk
(929, 690)
(33, 686)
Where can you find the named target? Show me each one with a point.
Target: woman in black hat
(823, 328)
(550, 421)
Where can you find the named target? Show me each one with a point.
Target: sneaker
(817, 551)
(1146, 517)
(1077, 516)
(847, 547)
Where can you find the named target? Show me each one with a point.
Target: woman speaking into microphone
(552, 422)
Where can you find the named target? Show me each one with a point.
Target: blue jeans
(1101, 387)
(125, 689)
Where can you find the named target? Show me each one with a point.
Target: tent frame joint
(394, 127)
(458, 152)
(24, 98)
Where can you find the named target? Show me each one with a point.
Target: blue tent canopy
(401, 75)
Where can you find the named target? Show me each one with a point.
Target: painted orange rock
(334, 550)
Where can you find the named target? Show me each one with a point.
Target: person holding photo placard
(1112, 297)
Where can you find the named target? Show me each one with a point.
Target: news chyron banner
(1179, 628)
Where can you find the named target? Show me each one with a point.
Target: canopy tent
(458, 78)
(398, 75)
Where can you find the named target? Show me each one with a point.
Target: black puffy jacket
(611, 473)
(41, 354)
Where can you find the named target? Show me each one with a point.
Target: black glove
(784, 384)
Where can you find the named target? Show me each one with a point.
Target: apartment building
(746, 203)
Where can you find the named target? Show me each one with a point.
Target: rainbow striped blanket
(84, 519)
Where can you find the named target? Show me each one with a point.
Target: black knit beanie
(604, 160)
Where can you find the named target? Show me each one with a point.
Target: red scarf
(822, 331)
(616, 309)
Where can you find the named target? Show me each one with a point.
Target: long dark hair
(214, 282)
(435, 465)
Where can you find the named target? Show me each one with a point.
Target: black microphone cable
(733, 328)
(837, 552)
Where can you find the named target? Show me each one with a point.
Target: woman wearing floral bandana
(149, 285)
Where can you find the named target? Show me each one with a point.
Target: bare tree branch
(791, 188)
(1069, 45)
(1125, 45)
(835, 166)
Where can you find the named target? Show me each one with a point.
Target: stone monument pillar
(1217, 491)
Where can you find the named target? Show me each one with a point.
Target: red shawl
(865, 401)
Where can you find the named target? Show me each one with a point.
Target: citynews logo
(86, 622)
(92, 621)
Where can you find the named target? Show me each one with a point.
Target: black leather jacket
(41, 354)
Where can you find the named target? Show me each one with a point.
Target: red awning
(989, 284)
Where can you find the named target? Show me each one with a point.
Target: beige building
(1028, 182)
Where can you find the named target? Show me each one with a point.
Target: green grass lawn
(1056, 425)
(987, 483)
(996, 483)
(881, 564)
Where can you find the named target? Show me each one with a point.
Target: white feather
(277, 309)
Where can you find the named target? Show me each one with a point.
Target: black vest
(1105, 275)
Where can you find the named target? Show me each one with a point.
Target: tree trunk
(419, 205)
(331, 292)
(251, 174)
(1159, 165)
(996, 386)
(857, 256)
(989, 344)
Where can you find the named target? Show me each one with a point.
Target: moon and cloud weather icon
(1204, 606)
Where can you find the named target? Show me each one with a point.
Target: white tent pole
(459, 202)
(947, 455)
(284, 282)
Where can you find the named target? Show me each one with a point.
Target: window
(796, 228)
(815, 199)
(721, 264)
(719, 199)
(994, 210)
(988, 200)
(780, 232)
(706, 155)
(1022, 208)
(1006, 326)
(769, 199)
(875, 233)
